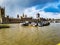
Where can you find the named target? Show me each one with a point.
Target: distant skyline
(46, 8)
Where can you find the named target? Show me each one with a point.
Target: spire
(23, 14)
(17, 15)
(38, 15)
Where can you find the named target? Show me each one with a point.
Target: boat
(34, 24)
(40, 24)
(26, 23)
(45, 23)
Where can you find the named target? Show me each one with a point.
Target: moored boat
(40, 24)
(46, 23)
(26, 23)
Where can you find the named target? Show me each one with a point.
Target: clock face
(2, 12)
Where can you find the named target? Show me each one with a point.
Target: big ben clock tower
(2, 14)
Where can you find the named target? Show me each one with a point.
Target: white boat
(26, 23)
(40, 24)
(34, 24)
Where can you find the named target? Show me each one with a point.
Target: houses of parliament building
(7, 19)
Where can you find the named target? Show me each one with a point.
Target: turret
(17, 15)
(38, 15)
(2, 14)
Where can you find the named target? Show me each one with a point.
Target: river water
(20, 35)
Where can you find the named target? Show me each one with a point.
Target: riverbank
(4, 26)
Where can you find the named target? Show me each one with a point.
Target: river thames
(29, 35)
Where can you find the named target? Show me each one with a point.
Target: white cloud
(32, 12)
(13, 7)
(1, 1)
(49, 15)
(55, 5)
(29, 11)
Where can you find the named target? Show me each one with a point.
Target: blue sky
(46, 8)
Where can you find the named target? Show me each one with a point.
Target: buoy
(58, 44)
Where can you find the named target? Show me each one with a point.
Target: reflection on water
(20, 35)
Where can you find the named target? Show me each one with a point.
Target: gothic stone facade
(4, 19)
